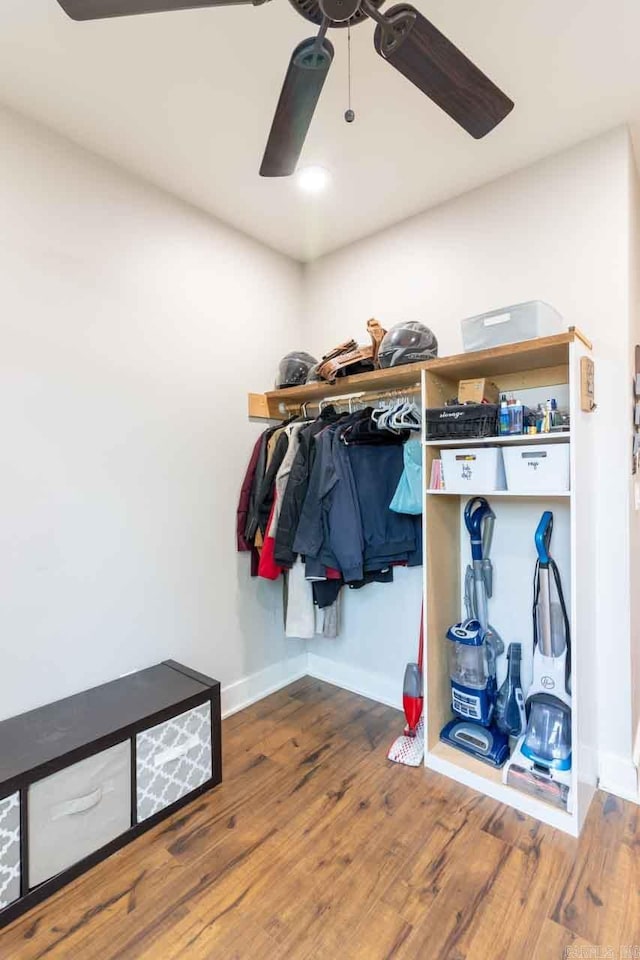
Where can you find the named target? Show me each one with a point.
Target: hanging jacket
(242, 513)
(282, 477)
(408, 495)
(268, 569)
(266, 493)
(297, 486)
(330, 529)
(258, 476)
(346, 520)
(376, 471)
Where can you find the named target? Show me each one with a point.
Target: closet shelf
(480, 776)
(561, 437)
(540, 495)
(545, 356)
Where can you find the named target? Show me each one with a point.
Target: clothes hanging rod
(361, 396)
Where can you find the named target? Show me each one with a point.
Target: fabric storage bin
(9, 849)
(78, 810)
(473, 470)
(542, 468)
(172, 759)
(522, 321)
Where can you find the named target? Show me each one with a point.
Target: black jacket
(296, 489)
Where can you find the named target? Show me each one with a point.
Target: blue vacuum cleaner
(473, 651)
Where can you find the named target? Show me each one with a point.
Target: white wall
(556, 231)
(132, 328)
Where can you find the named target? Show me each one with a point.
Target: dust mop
(409, 748)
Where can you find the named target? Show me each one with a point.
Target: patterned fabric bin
(9, 849)
(172, 759)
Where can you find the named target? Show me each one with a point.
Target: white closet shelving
(550, 365)
(542, 364)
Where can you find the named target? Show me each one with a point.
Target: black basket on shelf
(461, 421)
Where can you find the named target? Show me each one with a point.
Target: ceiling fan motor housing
(341, 13)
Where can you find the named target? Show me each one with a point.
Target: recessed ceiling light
(313, 179)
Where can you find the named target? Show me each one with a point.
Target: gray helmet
(407, 342)
(293, 369)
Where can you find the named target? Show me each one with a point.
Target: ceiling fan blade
(306, 74)
(98, 9)
(429, 60)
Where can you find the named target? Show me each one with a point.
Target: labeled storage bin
(9, 849)
(78, 810)
(543, 468)
(473, 470)
(172, 759)
(522, 321)
(461, 421)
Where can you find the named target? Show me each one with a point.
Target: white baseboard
(236, 696)
(375, 686)
(618, 775)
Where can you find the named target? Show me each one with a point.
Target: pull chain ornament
(349, 114)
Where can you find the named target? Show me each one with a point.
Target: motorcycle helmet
(293, 369)
(407, 342)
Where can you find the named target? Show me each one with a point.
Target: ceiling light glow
(313, 179)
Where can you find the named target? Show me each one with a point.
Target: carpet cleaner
(474, 646)
(409, 748)
(540, 764)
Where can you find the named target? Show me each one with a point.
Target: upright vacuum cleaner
(541, 761)
(474, 649)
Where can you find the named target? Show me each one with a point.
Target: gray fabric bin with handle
(78, 810)
(172, 759)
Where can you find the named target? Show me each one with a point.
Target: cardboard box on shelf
(477, 391)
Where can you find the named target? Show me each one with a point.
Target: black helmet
(294, 369)
(409, 342)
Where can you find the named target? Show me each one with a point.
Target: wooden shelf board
(540, 495)
(563, 437)
(513, 358)
(480, 776)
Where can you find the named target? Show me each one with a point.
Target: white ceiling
(186, 100)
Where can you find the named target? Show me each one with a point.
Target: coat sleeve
(267, 488)
(251, 525)
(310, 534)
(346, 538)
(292, 502)
(242, 512)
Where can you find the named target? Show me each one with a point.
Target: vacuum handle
(476, 512)
(543, 538)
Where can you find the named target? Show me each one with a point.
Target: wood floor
(316, 847)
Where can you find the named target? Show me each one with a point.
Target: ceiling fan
(403, 37)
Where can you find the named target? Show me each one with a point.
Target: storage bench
(82, 777)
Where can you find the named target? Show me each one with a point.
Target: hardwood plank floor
(316, 847)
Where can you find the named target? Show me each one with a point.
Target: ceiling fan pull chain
(349, 114)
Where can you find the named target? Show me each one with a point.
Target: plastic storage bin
(473, 470)
(542, 468)
(462, 421)
(522, 321)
